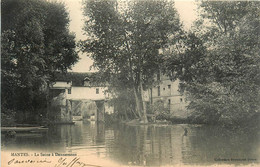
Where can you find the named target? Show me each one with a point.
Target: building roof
(78, 78)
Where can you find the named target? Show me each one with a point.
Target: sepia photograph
(130, 83)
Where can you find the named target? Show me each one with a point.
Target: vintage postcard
(130, 83)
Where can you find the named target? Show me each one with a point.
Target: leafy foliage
(220, 66)
(160, 111)
(125, 38)
(35, 43)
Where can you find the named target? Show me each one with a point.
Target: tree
(124, 40)
(35, 43)
(220, 67)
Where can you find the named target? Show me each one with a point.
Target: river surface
(149, 145)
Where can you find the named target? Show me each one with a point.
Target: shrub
(8, 118)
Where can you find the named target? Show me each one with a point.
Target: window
(169, 104)
(158, 77)
(180, 99)
(169, 86)
(69, 91)
(97, 90)
(151, 90)
(163, 88)
(159, 93)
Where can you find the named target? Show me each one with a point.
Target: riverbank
(24, 129)
(242, 126)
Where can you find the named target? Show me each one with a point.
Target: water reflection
(152, 145)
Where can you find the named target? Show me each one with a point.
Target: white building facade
(168, 92)
(81, 92)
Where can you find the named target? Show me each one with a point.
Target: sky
(186, 9)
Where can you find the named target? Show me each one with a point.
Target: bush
(159, 110)
(110, 119)
(8, 118)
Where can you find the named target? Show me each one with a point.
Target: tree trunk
(134, 113)
(48, 100)
(138, 106)
(126, 117)
(144, 119)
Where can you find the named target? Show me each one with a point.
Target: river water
(149, 145)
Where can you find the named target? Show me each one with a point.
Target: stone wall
(60, 108)
(168, 92)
